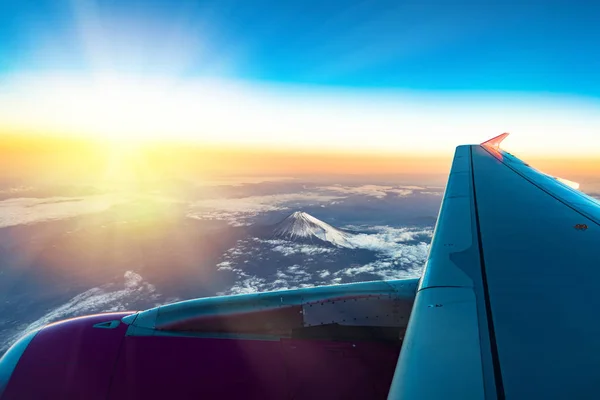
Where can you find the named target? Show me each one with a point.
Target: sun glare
(133, 110)
(148, 79)
(119, 110)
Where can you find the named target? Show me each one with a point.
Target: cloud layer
(288, 248)
(19, 211)
(398, 253)
(377, 191)
(240, 211)
(107, 298)
(291, 277)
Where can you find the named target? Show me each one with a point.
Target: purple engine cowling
(70, 359)
(93, 358)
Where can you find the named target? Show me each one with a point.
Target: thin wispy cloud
(20, 211)
(288, 248)
(107, 298)
(240, 211)
(292, 277)
(377, 191)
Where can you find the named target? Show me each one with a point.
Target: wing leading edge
(507, 306)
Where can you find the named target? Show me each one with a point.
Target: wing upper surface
(508, 304)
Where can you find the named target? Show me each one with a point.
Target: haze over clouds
(19, 211)
(106, 298)
(237, 210)
(144, 109)
(373, 190)
(240, 211)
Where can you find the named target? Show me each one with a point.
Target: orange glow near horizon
(251, 115)
(180, 111)
(76, 156)
(132, 130)
(86, 160)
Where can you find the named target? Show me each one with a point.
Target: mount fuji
(303, 226)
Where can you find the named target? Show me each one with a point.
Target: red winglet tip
(495, 142)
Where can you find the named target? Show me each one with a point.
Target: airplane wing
(508, 305)
(326, 342)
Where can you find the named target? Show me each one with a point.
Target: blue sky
(531, 46)
(415, 77)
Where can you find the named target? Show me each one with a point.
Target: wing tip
(495, 141)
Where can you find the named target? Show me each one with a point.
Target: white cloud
(396, 257)
(292, 277)
(288, 248)
(406, 261)
(237, 211)
(107, 298)
(17, 189)
(377, 191)
(324, 274)
(295, 274)
(386, 239)
(224, 265)
(18, 211)
(249, 285)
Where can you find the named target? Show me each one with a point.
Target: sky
(388, 79)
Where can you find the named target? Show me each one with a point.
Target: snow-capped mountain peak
(303, 225)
